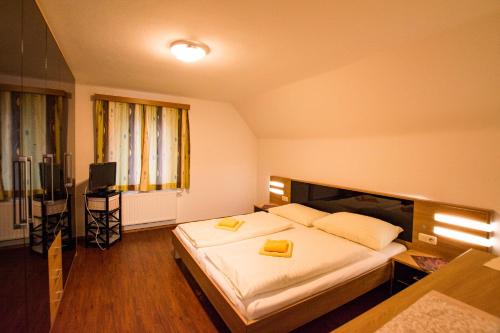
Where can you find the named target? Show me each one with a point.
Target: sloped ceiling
(284, 62)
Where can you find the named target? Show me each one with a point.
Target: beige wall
(223, 155)
(455, 167)
(421, 119)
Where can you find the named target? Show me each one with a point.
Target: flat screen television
(102, 176)
(51, 179)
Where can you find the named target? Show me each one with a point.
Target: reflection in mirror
(36, 191)
(12, 259)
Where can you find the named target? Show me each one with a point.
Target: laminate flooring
(137, 286)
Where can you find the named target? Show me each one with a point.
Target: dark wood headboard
(332, 200)
(415, 216)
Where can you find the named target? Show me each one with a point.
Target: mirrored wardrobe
(37, 234)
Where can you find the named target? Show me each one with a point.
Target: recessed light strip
(462, 236)
(276, 191)
(277, 184)
(463, 222)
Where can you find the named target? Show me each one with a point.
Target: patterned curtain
(149, 143)
(30, 125)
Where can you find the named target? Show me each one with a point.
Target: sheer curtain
(149, 143)
(30, 125)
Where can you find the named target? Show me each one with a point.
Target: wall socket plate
(427, 238)
(284, 198)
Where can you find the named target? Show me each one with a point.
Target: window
(148, 140)
(31, 124)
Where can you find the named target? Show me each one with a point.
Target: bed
(283, 309)
(297, 302)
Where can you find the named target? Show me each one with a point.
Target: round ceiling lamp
(188, 51)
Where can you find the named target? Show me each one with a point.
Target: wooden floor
(24, 289)
(137, 286)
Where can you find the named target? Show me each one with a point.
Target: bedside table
(263, 207)
(405, 271)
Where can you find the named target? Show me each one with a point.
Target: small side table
(50, 217)
(405, 271)
(263, 207)
(103, 223)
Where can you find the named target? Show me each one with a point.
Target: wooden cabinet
(404, 276)
(36, 106)
(54, 257)
(405, 271)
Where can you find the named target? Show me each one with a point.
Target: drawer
(405, 276)
(54, 258)
(52, 208)
(100, 203)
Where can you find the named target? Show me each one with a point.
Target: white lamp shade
(188, 51)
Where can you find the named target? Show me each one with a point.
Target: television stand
(103, 223)
(50, 217)
(103, 193)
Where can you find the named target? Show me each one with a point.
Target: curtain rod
(34, 90)
(140, 101)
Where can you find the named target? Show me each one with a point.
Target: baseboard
(150, 225)
(12, 243)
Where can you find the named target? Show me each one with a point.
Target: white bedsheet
(264, 304)
(203, 233)
(314, 252)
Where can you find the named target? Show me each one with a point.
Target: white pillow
(298, 213)
(368, 231)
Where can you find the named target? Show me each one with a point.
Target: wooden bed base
(290, 317)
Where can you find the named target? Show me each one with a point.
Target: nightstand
(405, 271)
(263, 207)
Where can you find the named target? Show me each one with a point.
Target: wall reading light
(463, 222)
(276, 191)
(462, 236)
(275, 183)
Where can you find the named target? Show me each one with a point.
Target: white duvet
(315, 252)
(204, 233)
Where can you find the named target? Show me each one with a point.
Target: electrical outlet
(284, 198)
(427, 238)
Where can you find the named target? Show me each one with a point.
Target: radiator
(149, 207)
(7, 231)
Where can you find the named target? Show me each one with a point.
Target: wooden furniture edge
(405, 258)
(391, 195)
(314, 306)
(140, 101)
(423, 219)
(34, 90)
(292, 316)
(222, 304)
(463, 278)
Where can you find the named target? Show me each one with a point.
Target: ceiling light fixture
(188, 51)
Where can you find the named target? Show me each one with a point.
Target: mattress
(204, 234)
(263, 304)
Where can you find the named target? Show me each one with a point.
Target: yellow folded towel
(229, 223)
(277, 248)
(280, 246)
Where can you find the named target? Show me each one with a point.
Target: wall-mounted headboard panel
(281, 193)
(332, 199)
(467, 227)
(425, 222)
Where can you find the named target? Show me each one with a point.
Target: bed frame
(397, 211)
(290, 317)
(412, 215)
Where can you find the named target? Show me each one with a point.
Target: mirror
(36, 183)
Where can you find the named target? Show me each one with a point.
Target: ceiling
(256, 45)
